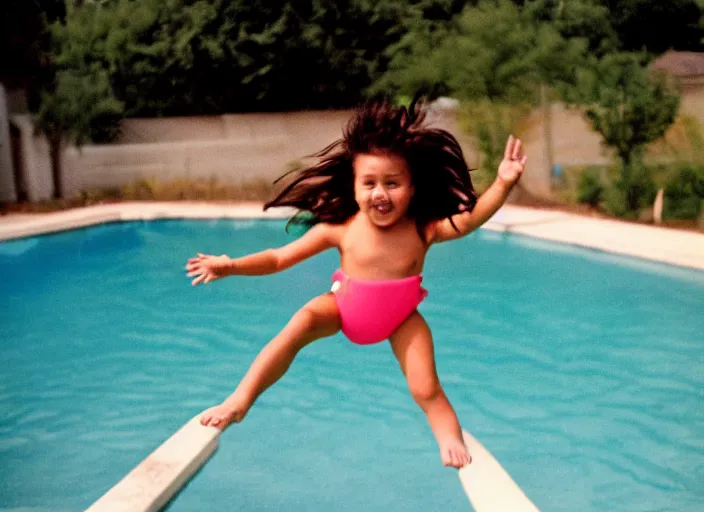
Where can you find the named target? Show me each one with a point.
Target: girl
(381, 195)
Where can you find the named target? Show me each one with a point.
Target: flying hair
(324, 191)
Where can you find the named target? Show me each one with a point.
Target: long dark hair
(324, 192)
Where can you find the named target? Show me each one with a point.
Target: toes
(446, 459)
(456, 461)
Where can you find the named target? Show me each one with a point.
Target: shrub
(684, 193)
(635, 189)
(590, 190)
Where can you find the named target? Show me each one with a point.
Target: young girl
(381, 195)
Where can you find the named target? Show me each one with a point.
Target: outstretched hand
(511, 167)
(206, 268)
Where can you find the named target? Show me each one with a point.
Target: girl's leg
(317, 319)
(412, 344)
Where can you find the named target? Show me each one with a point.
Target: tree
(629, 108)
(589, 20)
(494, 57)
(179, 57)
(80, 103)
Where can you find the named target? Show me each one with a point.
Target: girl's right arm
(206, 268)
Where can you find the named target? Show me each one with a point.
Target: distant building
(686, 67)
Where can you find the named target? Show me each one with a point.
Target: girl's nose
(378, 192)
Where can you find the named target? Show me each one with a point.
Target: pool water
(581, 372)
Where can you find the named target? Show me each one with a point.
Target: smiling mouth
(382, 208)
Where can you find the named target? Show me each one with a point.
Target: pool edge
(665, 245)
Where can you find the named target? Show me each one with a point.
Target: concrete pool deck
(672, 246)
(488, 486)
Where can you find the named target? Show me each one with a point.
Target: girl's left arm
(510, 171)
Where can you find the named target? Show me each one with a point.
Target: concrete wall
(242, 147)
(230, 148)
(7, 173)
(36, 160)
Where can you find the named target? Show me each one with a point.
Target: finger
(524, 160)
(208, 278)
(193, 273)
(198, 280)
(509, 148)
(516, 150)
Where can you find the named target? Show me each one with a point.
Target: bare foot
(221, 416)
(453, 452)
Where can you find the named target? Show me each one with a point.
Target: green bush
(635, 189)
(590, 190)
(684, 193)
(615, 202)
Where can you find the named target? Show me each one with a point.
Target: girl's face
(382, 187)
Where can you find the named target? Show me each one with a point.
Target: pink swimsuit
(370, 311)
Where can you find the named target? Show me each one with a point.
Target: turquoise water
(582, 372)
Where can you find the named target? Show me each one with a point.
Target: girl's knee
(305, 319)
(424, 389)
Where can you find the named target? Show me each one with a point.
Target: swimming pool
(580, 371)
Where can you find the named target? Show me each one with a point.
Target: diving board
(152, 484)
(487, 484)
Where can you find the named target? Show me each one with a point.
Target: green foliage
(184, 57)
(684, 193)
(81, 106)
(493, 51)
(589, 20)
(491, 123)
(629, 108)
(494, 56)
(590, 189)
(631, 192)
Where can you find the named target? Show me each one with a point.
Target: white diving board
(155, 480)
(159, 477)
(487, 484)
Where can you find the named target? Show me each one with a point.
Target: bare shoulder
(331, 233)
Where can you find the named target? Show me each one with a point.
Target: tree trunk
(56, 169)
(631, 195)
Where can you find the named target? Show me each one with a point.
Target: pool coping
(665, 245)
(154, 482)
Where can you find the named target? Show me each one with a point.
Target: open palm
(206, 268)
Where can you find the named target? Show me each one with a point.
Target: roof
(681, 64)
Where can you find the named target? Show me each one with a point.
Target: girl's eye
(369, 184)
(392, 184)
